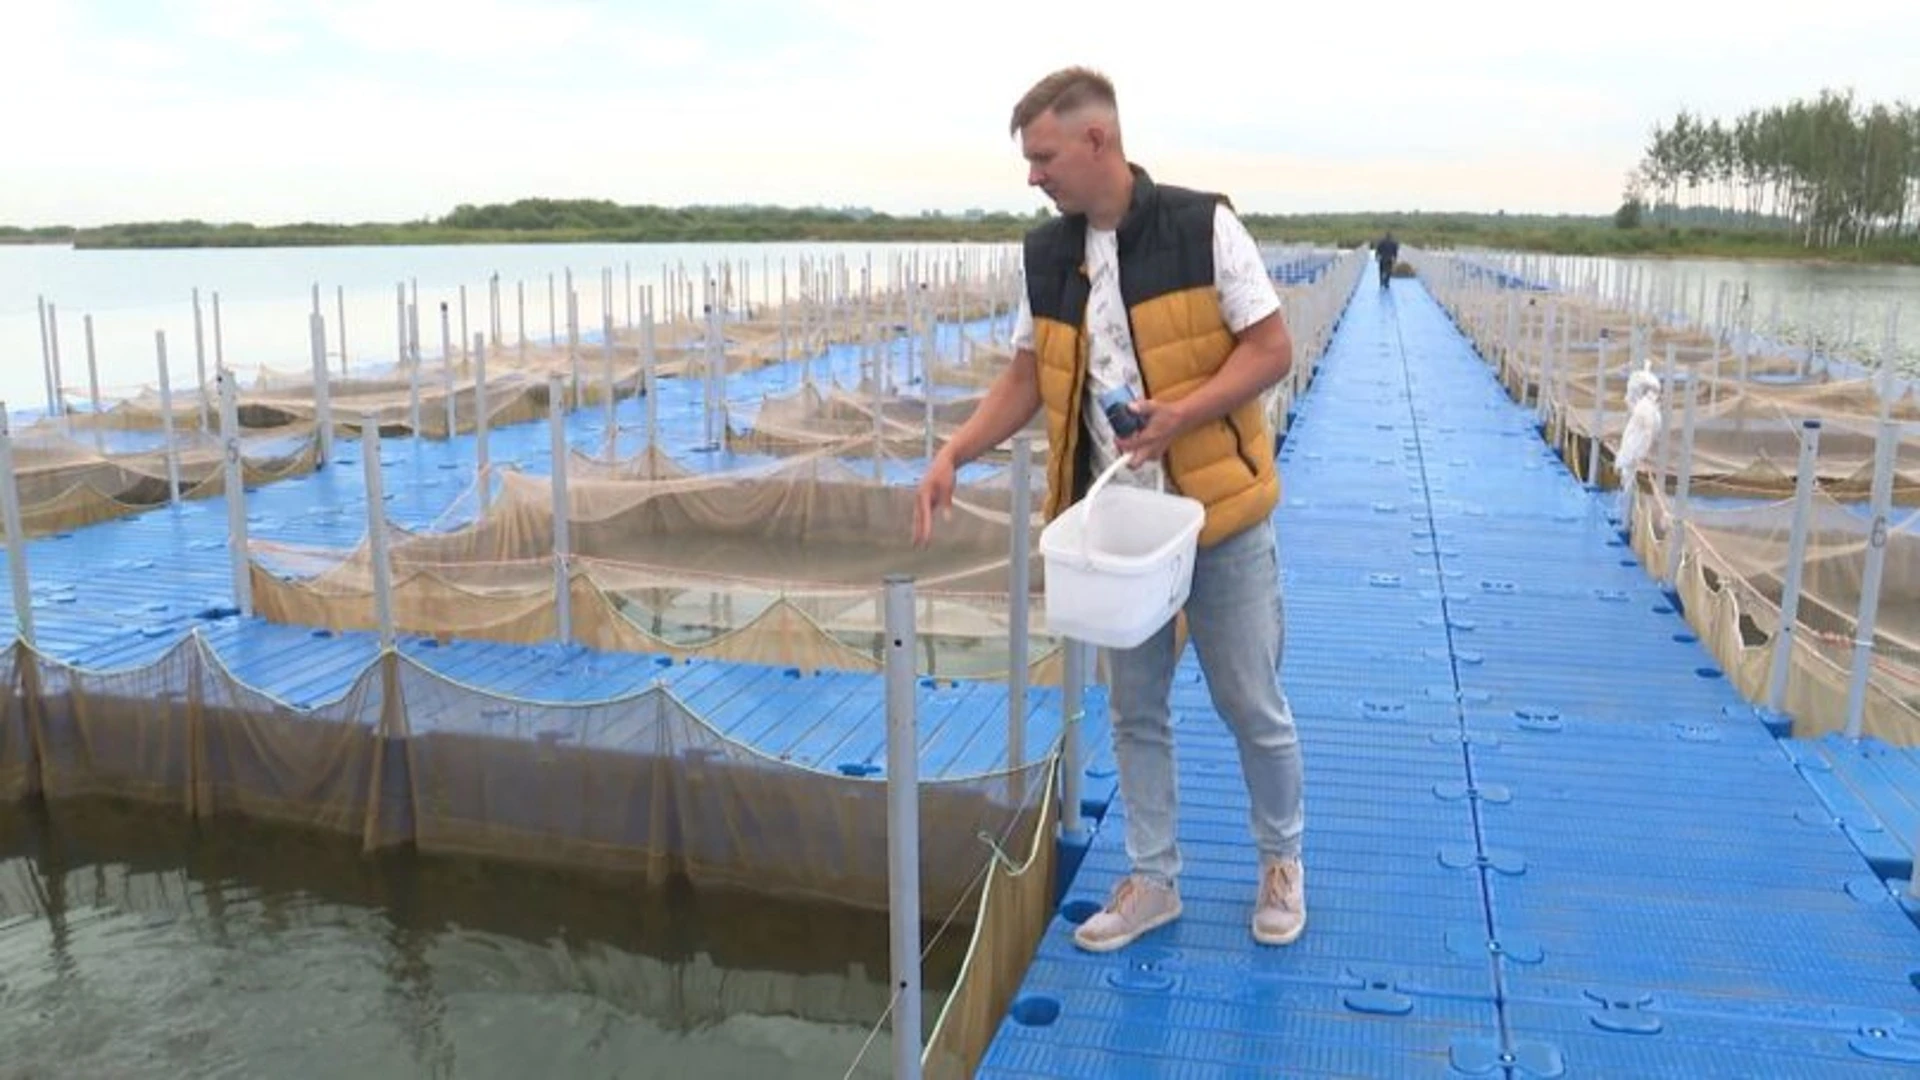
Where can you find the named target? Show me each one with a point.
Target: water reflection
(136, 944)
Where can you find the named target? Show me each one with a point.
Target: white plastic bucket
(1119, 563)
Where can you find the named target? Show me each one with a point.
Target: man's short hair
(1063, 91)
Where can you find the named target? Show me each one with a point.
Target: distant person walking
(1387, 251)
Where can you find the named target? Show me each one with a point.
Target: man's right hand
(936, 494)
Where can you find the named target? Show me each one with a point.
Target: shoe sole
(1110, 944)
(1280, 939)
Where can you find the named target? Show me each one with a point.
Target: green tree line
(552, 221)
(1832, 172)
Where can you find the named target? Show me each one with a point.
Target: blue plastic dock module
(1545, 837)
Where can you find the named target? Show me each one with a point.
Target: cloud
(285, 110)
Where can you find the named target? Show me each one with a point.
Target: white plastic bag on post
(1643, 425)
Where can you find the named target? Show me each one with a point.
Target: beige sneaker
(1281, 913)
(1138, 905)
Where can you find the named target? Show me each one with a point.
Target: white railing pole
(410, 356)
(613, 398)
(1599, 414)
(1073, 677)
(46, 355)
(236, 490)
(1677, 535)
(1020, 516)
(647, 314)
(903, 826)
(446, 373)
(340, 308)
(1796, 560)
(1886, 449)
(400, 322)
(172, 448)
(16, 534)
(93, 387)
(58, 381)
(199, 364)
(322, 400)
(483, 475)
(562, 512)
(377, 529)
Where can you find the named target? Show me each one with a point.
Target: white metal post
(46, 354)
(1020, 517)
(199, 365)
(573, 343)
(59, 407)
(16, 534)
(1886, 451)
(322, 402)
(647, 362)
(410, 356)
(1677, 537)
(1796, 560)
(613, 399)
(166, 418)
(1599, 414)
(93, 387)
(715, 360)
(1073, 678)
(236, 485)
(377, 529)
(219, 341)
(903, 825)
(340, 306)
(446, 373)
(562, 512)
(484, 474)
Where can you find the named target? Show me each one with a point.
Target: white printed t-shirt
(1246, 296)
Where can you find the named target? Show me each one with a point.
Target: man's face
(1060, 160)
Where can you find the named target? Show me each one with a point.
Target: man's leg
(1141, 679)
(1239, 629)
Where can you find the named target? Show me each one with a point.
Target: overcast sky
(275, 110)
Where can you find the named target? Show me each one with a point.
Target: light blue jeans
(1236, 620)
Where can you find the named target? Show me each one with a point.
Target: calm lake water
(266, 295)
(1841, 310)
(136, 945)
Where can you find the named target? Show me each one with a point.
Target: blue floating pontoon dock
(1545, 836)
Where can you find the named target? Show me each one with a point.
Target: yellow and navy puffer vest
(1180, 337)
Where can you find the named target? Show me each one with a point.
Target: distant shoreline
(599, 222)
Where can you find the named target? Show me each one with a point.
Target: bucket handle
(1108, 474)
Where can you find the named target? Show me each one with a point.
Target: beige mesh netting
(1749, 405)
(637, 784)
(1014, 909)
(1749, 400)
(812, 418)
(782, 564)
(517, 372)
(65, 483)
(19, 774)
(1731, 580)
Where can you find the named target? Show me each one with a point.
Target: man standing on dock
(1386, 251)
(1157, 296)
